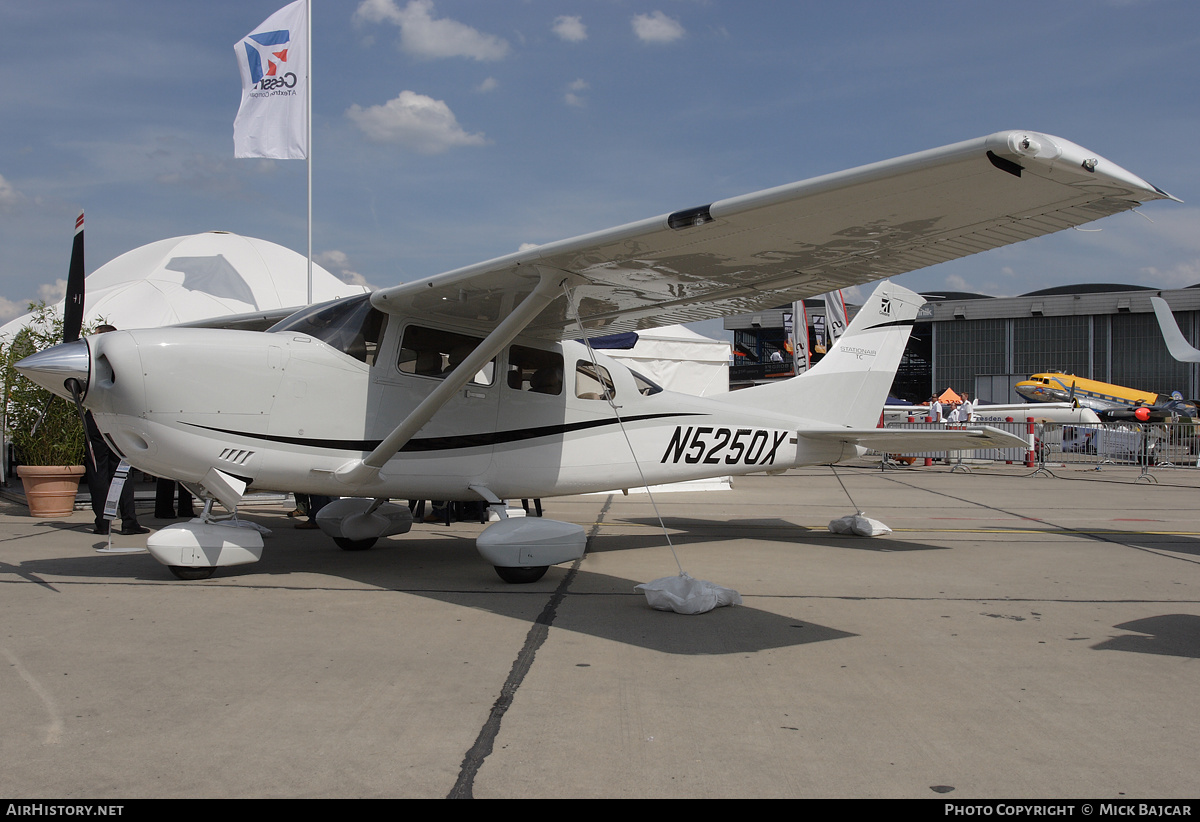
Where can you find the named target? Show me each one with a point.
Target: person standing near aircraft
(99, 477)
(966, 411)
(315, 503)
(935, 409)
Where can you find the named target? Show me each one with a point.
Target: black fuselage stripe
(892, 324)
(481, 440)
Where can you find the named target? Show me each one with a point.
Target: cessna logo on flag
(267, 54)
(272, 120)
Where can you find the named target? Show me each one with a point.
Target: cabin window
(431, 352)
(535, 370)
(645, 385)
(592, 382)
(351, 325)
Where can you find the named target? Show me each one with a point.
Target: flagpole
(308, 126)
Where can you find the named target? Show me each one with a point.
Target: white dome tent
(199, 277)
(679, 359)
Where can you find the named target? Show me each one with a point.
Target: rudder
(851, 382)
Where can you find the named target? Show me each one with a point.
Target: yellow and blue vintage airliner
(1108, 400)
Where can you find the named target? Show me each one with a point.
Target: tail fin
(1177, 344)
(851, 382)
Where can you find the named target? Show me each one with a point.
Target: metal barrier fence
(1147, 445)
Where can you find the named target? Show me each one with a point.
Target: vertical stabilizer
(851, 382)
(1177, 344)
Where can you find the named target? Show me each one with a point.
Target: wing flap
(765, 249)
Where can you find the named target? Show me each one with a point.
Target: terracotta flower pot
(50, 489)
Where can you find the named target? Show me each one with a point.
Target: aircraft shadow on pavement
(447, 568)
(693, 531)
(1169, 634)
(1175, 543)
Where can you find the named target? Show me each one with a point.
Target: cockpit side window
(645, 385)
(535, 370)
(592, 381)
(431, 352)
(351, 325)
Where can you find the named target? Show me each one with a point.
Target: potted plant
(46, 432)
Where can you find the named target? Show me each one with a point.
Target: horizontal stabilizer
(897, 440)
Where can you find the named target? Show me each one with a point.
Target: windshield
(351, 325)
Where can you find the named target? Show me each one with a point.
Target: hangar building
(985, 345)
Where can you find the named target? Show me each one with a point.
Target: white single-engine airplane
(469, 385)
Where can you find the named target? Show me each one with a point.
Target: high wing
(775, 246)
(252, 321)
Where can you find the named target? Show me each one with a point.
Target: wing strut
(361, 472)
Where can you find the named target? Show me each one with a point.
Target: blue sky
(448, 132)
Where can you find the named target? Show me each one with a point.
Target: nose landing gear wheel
(521, 576)
(184, 572)
(354, 544)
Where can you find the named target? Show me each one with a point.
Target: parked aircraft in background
(469, 385)
(1112, 403)
(1177, 344)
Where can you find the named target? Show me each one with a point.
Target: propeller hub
(53, 368)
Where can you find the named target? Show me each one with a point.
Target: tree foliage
(45, 429)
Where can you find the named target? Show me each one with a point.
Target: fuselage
(284, 410)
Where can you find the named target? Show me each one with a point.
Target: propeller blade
(87, 441)
(41, 416)
(73, 306)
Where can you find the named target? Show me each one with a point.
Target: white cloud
(487, 85)
(52, 293)
(1181, 275)
(854, 295)
(338, 264)
(8, 195)
(10, 310)
(656, 28)
(424, 36)
(957, 283)
(570, 29)
(528, 246)
(414, 121)
(572, 96)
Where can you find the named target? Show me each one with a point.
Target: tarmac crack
(54, 726)
(538, 633)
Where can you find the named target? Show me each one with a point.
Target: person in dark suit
(100, 475)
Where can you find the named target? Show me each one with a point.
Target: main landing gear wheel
(185, 572)
(521, 576)
(354, 544)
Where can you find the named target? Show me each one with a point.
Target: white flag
(799, 337)
(835, 315)
(273, 60)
